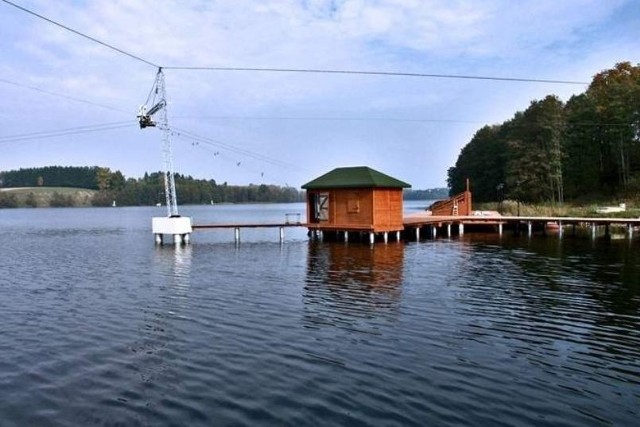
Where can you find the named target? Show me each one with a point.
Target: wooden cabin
(357, 199)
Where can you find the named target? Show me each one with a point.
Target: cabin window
(353, 203)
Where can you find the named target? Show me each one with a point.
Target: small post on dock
(281, 234)
(236, 234)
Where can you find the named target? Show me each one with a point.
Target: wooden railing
(458, 205)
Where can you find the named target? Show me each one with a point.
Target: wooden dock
(417, 226)
(518, 224)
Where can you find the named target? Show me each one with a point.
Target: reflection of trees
(568, 298)
(349, 283)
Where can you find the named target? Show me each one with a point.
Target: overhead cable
(379, 73)
(213, 142)
(65, 132)
(297, 70)
(60, 95)
(93, 39)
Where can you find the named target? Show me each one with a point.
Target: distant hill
(39, 197)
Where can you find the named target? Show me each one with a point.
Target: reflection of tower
(346, 283)
(156, 339)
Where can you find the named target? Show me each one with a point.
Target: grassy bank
(37, 197)
(512, 208)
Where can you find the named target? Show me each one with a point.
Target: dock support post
(236, 234)
(449, 230)
(630, 230)
(386, 237)
(461, 229)
(593, 230)
(417, 234)
(177, 239)
(372, 238)
(346, 236)
(158, 239)
(186, 238)
(529, 228)
(560, 231)
(434, 232)
(500, 229)
(281, 234)
(398, 236)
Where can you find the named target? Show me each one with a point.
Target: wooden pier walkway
(421, 225)
(516, 223)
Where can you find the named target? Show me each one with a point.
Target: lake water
(101, 327)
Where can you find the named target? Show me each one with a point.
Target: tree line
(587, 148)
(146, 191)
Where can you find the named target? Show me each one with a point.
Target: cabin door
(320, 207)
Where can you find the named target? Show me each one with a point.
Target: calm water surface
(101, 327)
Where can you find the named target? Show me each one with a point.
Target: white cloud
(570, 40)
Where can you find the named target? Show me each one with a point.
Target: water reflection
(157, 345)
(557, 303)
(349, 284)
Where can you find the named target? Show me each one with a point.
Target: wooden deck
(413, 225)
(515, 223)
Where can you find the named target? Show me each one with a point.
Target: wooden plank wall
(381, 209)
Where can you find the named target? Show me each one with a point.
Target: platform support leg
(236, 234)
(593, 230)
(158, 239)
(500, 229)
(560, 231)
(529, 228)
(449, 230)
(397, 236)
(417, 234)
(630, 230)
(281, 234)
(177, 239)
(386, 237)
(461, 229)
(186, 238)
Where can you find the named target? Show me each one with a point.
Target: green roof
(354, 177)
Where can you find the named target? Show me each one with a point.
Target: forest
(583, 150)
(146, 191)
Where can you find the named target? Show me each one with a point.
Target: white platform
(179, 227)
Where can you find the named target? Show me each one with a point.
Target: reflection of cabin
(355, 199)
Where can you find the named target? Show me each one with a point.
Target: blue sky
(287, 128)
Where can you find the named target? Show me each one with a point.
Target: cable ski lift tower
(174, 224)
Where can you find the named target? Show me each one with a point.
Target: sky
(70, 101)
